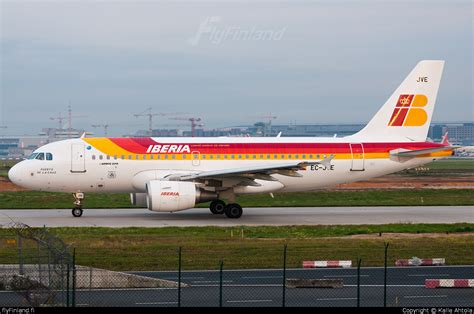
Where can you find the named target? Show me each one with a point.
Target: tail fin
(445, 139)
(406, 115)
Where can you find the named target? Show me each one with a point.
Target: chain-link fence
(287, 275)
(36, 268)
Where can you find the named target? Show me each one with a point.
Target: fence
(37, 269)
(205, 276)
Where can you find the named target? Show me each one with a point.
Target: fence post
(73, 278)
(179, 276)
(385, 277)
(220, 283)
(283, 304)
(20, 254)
(359, 261)
(67, 284)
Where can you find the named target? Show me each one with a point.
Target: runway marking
(151, 303)
(422, 275)
(211, 281)
(329, 276)
(260, 277)
(335, 299)
(185, 278)
(248, 301)
(424, 296)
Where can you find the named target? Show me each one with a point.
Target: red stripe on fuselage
(140, 146)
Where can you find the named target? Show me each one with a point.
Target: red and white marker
(421, 262)
(449, 283)
(326, 264)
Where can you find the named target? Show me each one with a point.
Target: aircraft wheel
(77, 212)
(217, 207)
(233, 211)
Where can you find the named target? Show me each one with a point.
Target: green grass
(31, 199)
(254, 247)
(452, 164)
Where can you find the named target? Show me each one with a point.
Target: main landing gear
(218, 207)
(77, 210)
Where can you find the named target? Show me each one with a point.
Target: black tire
(217, 207)
(77, 212)
(233, 211)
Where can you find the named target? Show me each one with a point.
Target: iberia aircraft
(173, 174)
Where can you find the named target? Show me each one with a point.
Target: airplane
(174, 174)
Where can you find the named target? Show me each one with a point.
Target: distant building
(461, 133)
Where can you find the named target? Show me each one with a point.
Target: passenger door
(78, 159)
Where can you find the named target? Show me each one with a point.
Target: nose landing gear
(77, 210)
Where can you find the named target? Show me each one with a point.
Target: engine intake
(171, 196)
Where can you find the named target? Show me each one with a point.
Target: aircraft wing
(401, 152)
(247, 174)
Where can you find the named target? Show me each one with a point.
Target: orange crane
(194, 123)
(148, 113)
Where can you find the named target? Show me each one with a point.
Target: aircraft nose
(15, 174)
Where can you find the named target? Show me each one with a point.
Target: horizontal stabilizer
(401, 152)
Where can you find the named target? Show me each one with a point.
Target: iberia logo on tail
(409, 111)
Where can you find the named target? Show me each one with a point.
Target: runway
(139, 217)
(264, 287)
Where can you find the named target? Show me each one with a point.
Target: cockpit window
(40, 156)
(32, 156)
(49, 156)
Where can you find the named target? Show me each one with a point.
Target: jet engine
(171, 196)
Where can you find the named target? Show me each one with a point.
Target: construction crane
(60, 120)
(69, 119)
(194, 123)
(105, 126)
(147, 113)
(268, 125)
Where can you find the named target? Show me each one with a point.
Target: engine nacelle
(171, 196)
(138, 199)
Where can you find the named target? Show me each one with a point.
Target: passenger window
(137, 157)
(310, 156)
(49, 156)
(108, 157)
(151, 156)
(254, 156)
(184, 156)
(40, 156)
(130, 157)
(101, 157)
(93, 157)
(144, 157)
(122, 157)
(115, 157)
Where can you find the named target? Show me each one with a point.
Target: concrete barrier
(415, 261)
(314, 283)
(449, 283)
(326, 264)
(88, 277)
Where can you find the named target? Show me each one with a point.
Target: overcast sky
(225, 61)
